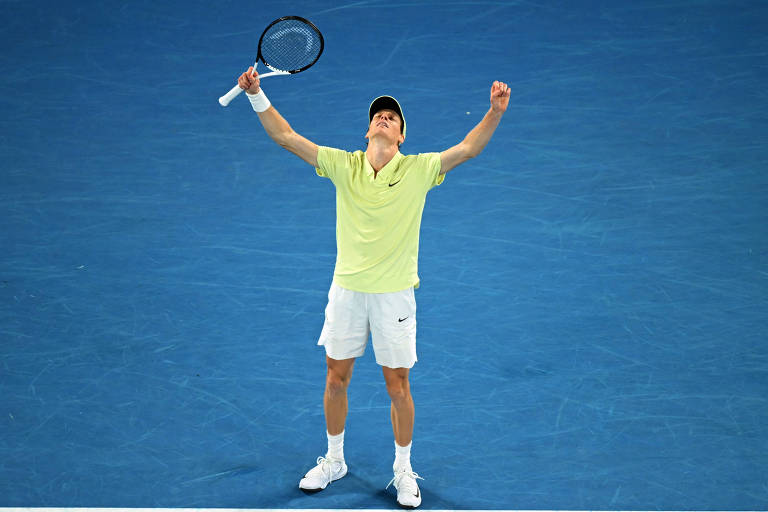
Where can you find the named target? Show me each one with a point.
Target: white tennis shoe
(408, 493)
(327, 470)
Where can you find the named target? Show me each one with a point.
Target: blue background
(592, 315)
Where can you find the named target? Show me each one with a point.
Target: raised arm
(276, 126)
(478, 138)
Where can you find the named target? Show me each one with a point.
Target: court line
(120, 509)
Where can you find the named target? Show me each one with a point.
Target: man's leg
(335, 399)
(332, 466)
(402, 409)
(403, 413)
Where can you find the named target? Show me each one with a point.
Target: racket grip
(232, 94)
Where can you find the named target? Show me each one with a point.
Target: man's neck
(380, 155)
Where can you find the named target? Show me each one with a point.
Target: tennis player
(380, 195)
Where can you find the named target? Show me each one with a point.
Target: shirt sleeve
(432, 164)
(329, 161)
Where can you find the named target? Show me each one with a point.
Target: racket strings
(290, 45)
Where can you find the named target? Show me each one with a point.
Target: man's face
(388, 124)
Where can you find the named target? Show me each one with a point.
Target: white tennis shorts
(389, 317)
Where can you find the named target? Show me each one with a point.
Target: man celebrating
(380, 196)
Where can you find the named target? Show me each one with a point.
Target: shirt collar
(385, 171)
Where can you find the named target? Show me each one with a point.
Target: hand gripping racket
(288, 45)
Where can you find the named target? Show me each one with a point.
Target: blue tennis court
(594, 286)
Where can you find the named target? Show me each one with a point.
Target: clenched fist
(499, 96)
(249, 81)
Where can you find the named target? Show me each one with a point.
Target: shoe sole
(408, 507)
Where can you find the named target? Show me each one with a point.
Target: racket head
(290, 44)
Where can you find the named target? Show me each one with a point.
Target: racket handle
(232, 94)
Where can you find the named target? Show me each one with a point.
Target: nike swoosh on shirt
(395, 183)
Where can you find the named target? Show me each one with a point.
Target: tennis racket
(289, 45)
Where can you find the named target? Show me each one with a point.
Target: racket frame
(236, 90)
(290, 71)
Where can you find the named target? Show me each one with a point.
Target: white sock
(336, 446)
(403, 457)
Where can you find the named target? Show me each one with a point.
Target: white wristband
(259, 101)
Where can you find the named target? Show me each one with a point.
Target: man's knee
(336, 384)
(339, 375)
(398, 386)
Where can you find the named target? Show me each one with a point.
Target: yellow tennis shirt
(378, 219)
